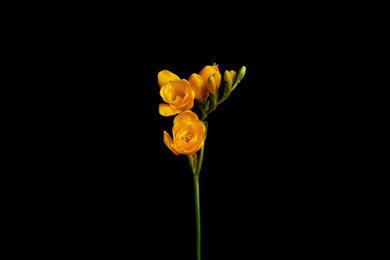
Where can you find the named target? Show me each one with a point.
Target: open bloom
(188, 134)
(176, 92)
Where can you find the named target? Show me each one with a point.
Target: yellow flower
(176, 92)
(208, 71)
(197, 85)
(188, 134)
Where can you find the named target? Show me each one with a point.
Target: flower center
(184, 136)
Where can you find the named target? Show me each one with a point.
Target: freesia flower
(197, 85)
(178, 93)
(188, 134)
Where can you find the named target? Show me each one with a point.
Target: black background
(109, 185)
(131, 195)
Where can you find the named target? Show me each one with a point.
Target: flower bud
(197, 85)
(211, 86)
(217, 77)
(226, 76)
(228, 82)
(206, 72)
(241, 73)
(233, 74)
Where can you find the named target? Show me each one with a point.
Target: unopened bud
(233, 74)
(226, 76)
(197, 86)
(212, 88)
(228, 82)
(217, 77)
(241, 73)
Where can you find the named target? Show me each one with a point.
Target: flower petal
(168, 141)
(207, 71)
(179, 127)
(177, 102)
(185, 116)
(166, 110)
(180, 87)
(200, 128)
(165, 76)
(197, 85)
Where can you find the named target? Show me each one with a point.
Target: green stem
(204, 117)
(196, 167)
(197, 212)
(199, 166)
(223, 99)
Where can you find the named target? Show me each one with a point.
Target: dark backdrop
(137, 197)
(115, 188)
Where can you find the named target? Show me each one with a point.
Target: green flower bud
(241, 74)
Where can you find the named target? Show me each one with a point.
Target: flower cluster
(189, 132)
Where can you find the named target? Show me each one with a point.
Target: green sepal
(214, 102)
(207, 106)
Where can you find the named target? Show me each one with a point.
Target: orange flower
(176, 92)
(188, 134)
(197, 85)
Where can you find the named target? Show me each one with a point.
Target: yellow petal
(185, 116)
(166, 92)
(166, 110)
(201, 144)
(180, 87)
(165, 76)
(200, 128)
(233, 74)
(197, 85)
(192, 150)
(179, 127)
(207, 71)
(177, 102)
(168, 141)
(211, 86)
(217, 77)
(187, 104)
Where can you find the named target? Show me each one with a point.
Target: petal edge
(169, 142)
(164, 76)
(166, 110)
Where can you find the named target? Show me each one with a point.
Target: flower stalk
(197, 213)
(196, 167)
(189, 133)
